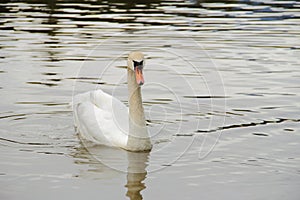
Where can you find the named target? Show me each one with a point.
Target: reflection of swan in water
(108, 163)
(136, 174)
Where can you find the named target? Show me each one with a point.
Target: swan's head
(136, 63)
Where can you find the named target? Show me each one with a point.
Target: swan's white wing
(101, 118)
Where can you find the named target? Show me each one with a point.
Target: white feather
(101, 118)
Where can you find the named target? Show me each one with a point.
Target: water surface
(221, 98)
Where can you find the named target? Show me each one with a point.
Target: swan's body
(103, 119)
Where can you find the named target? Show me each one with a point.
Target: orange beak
(139, 76)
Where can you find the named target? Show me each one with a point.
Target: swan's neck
(138, 138)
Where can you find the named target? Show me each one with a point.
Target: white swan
(103, 119)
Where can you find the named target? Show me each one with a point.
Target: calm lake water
(221, 97)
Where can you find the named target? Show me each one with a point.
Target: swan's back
(101, 118)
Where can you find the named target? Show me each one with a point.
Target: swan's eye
(138, 64)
